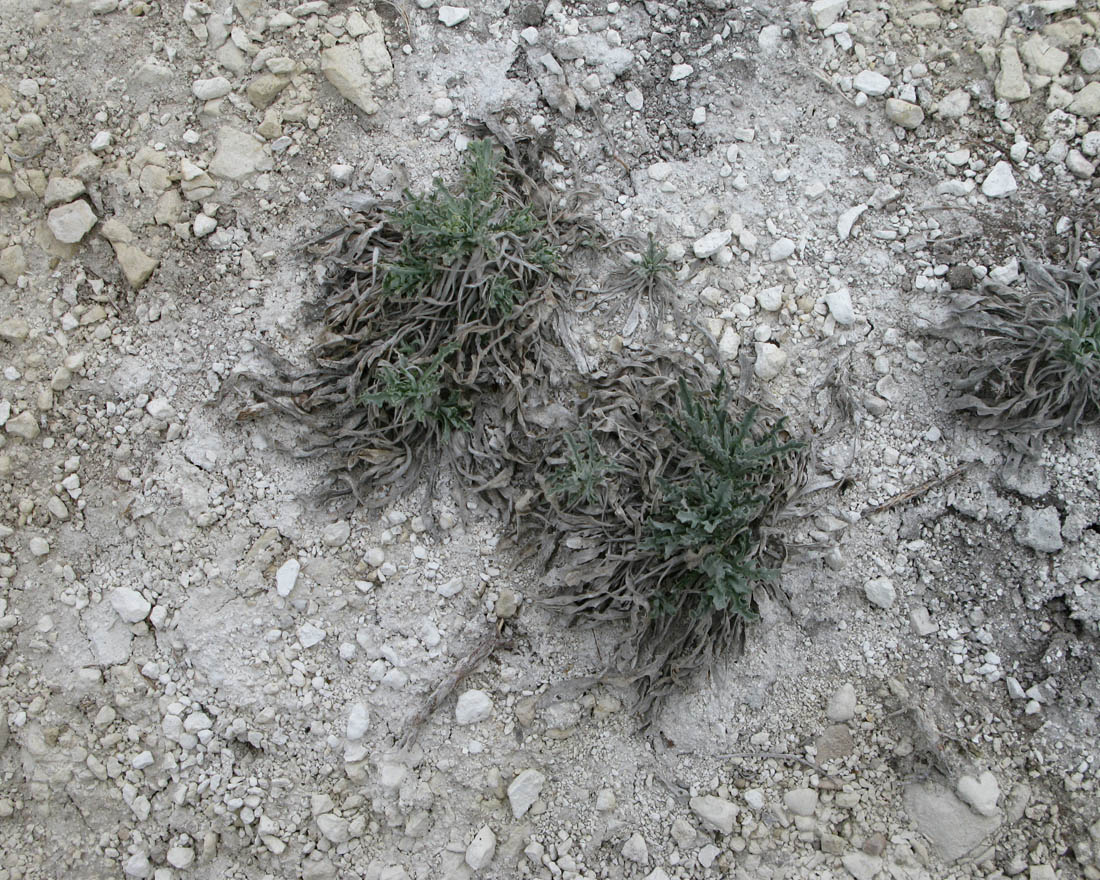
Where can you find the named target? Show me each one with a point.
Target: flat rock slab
(951, 826)
(239, 155)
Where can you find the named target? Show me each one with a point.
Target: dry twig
(917, 491)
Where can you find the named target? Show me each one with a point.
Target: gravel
(206, 671)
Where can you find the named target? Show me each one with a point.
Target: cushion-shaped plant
(440, 320)
(1035, 367)
(666, 516)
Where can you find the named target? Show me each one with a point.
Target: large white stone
(482, 848)
(473, 706)
(211, 89)
(635, 849)
(1010, 84)
(453, 15)
(986, 23)
(871, 82)
(730, 343)
(711, 243)
(880, 592)
(130, 605)
(840, 306)
(903, 113)
(781, 250)
(999, 182)
(310, 635)
(982, 793)
(770, 360)
(801, 801)
(1087, 101)
(524, 791)
(70, 223)
(715, 812)
(334, 828)
(847, 220)
(358, 721)
(287, 576)
(180, 856)
(239, 155)
(826, 12)
(842, 705)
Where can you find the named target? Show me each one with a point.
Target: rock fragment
(842, 705)
(60, 190)
(24, 426)
(12, 265)
(1000, 182)
(334, 828)
(14, 329)
(473, 706)
(880, 592)
(715, 812)
(950, 825)
(1011, 85)
(862, 866)
(781, 250)
(480, 852)
(310, 634)
(136, 265)
(770, 361)
(336, 534)
(711, 243)
(954, 104)
(982, 793)
(801, 801)
(264, 89)
(211, 89)
(70, 223)
(871, 82)
(130, 605)
(524, 791)
(825, 13)
(903, 113)
(239, 155)
(847, 220)
(635, 849)
(839, 302)
(986, 23)
(1086, 102)
(450, 16)
(1042, 57)
(1041, 530)
(358, 721)
(180, 857)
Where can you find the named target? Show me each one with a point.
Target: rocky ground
(204, 676)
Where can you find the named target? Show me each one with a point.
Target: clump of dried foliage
(652, 494)
(643, 285)
(663, 510)
(1035, 367)
(440, 316)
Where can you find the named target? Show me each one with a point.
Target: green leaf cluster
(582, 479)
(418, 393)
(710, 518)
(476, 227)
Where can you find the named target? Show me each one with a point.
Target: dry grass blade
(1036, 365)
